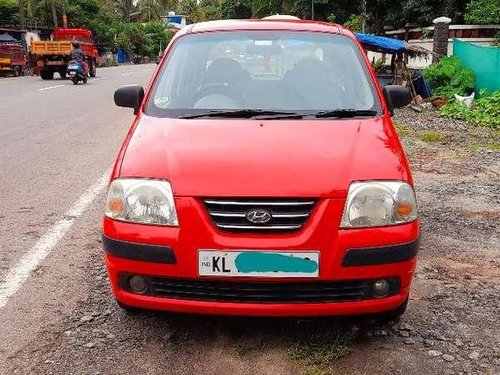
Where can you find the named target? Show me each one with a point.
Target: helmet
(76, 44)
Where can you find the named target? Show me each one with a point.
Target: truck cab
(12, 59)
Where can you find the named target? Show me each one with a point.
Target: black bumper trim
(267, 292)
(136, 251)
(380, 255)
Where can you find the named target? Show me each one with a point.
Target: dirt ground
(452, 325)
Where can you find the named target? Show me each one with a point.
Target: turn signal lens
(116, 206)
(404, 209)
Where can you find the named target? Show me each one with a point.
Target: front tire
(17, 71)
(47, 74)
(394, 314)
(75, 80)
(129, 309)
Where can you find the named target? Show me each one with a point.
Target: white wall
(29, 37)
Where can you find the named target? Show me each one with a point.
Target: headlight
(141, 201)
(379, 203)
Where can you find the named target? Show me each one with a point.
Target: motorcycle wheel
(84, 79)
(75, 80)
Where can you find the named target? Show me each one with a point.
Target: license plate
(72, 74)
(55, 62)
(254, 263)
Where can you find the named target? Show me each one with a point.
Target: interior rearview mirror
(130, 97)
(396, 97)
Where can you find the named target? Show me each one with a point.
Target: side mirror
(396, 97)
(129, 96)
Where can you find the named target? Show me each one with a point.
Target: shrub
(448, 77)
(485, 111)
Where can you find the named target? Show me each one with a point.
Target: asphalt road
(57, 141)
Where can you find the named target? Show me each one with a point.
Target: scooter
(76, 72)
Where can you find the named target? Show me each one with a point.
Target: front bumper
(154, 251)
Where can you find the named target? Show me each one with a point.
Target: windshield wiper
(345, 113)
(260, 114)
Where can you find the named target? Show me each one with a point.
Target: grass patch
(401, 128)
(320, 346)
(313, 371)
(488, 147)
(431, 137)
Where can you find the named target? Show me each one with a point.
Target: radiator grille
(259, 215)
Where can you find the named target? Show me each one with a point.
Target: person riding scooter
(77, 55)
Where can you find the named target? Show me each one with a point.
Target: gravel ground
(451, 326)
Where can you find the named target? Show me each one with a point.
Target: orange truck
(12, 59)
(53, 56)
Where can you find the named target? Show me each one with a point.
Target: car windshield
(249, 71)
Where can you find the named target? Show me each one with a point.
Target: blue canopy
(6, 38)
(381, 43)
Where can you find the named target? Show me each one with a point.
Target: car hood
(276, 158)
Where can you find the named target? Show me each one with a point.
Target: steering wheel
(218, 88)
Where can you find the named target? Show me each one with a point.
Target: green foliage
(378, 64)
(449, 77)
(427, 34)
(111, 29)
(378, 13)
(235, 9)
(483, 12)
(485, 111)
(143, 39)
(332, 18)
(9, 10)
(355, 22)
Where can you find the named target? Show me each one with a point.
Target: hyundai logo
(259, 216)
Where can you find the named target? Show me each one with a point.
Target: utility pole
(65, 15)
(363, 16)
(312, 9)
(54, 13)
(22, 15)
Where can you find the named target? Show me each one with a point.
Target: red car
(262, 176)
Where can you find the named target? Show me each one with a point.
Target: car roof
(265, 24)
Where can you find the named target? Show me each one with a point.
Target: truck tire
(62, 73)
(47, 74)
(16, 72)
(93, 69)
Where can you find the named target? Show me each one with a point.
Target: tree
(9, 11)
(483, 12)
